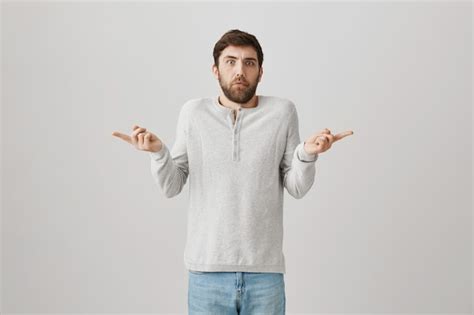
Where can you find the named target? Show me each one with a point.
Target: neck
(224, 101)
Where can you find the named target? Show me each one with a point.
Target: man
(239, 150)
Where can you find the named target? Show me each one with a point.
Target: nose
(239, 76)
(239, 69)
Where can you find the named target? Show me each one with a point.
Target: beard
(239, 94)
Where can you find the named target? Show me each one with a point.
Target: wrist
(304, 155)
(308, 152)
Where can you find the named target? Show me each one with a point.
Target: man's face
(238, 73)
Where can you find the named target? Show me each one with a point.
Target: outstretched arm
(170, 169)
(297, 167)
(298, 163)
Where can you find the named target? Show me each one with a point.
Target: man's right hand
(141, 139)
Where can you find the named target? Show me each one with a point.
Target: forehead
(239, 52)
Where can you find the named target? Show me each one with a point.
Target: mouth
(240, 83)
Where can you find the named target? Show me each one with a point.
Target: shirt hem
(234, 268)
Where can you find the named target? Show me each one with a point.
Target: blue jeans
(245, 293)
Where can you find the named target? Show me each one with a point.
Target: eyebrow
(232, 57)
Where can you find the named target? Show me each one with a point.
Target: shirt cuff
(160, 154)
(303, 156)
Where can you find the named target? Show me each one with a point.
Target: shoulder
(194, 105)
(281, 104)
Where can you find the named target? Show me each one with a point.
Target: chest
(240, 137)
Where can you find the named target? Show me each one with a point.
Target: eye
(250, 63)
(230, 60)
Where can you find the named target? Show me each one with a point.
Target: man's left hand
(322, 141)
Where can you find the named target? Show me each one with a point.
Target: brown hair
(237, 38)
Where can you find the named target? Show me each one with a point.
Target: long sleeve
(297, 167)
(170, 169)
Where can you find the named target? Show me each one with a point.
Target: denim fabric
(245, 293)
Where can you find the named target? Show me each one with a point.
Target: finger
(341, 135)
(322, 139)
(315, 136)
(138, 130)
(135, 133)
(146, 140)
(122, 136)
(331, 137)
(134, 128)
(140, 139)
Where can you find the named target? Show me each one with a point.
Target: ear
(215, 70)
(260, 74)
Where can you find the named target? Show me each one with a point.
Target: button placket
(235, 137)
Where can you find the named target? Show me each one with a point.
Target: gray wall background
(387, 226)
